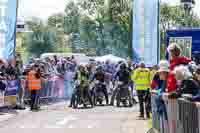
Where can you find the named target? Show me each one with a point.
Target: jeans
(20, 93)
(68, 89)
(75, 91)
(34, 99)
(20, 97)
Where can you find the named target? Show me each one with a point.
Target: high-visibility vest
(33, 82)
(82, 77)
(141, 78)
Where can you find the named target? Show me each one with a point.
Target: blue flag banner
(8, 18)
(146, 31)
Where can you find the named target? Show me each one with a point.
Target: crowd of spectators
(181, 75)
(177, 78)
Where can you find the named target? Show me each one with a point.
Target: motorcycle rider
(83, 76)
(122, 75)
(100, 76)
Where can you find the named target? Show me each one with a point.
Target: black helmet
(100, 68)
(123, 66)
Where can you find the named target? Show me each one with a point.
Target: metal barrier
(155, 115)
(52, 87)
(183, 116)
(172, 113)
(8, 97)
(17, 92)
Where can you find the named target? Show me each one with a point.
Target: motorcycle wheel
(85, 105)
(100, 102)
(124, 103)
(118, 102)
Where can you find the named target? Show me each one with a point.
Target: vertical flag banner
(146, 31)
(8, 18)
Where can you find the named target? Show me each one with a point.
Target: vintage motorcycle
(123, 95)
(81, 96)
(99, 96)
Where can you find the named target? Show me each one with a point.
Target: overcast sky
(44, 8)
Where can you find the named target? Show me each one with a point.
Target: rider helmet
(100, 68)
(123, 66)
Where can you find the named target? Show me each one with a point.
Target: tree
(40, 40)
(87, 30)
(175, 17)
(120, 12)
(90, 20)
(90, 7)
(56, 20)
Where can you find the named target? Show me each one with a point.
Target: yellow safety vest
(141, 78)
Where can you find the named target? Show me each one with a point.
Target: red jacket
(172, 83)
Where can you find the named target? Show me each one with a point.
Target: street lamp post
(187, 5)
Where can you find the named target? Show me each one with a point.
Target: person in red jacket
(176, 60)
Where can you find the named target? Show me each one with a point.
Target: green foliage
(104, 25)
(174, 17)
(37, 43)
(40, 40)
(56, 20)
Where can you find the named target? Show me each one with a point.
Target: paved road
(64, 119)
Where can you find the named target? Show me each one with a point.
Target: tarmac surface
(58, 118)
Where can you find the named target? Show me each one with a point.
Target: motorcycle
(81, 96)
(123, 94)
(99, 96)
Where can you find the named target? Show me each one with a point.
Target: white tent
(111, 58)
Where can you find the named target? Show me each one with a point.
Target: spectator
(68, 79)
(2, 68)
(11, 70)
(197, 78)
(60, 68)
(130, 66)
(197, 74)
(163, 73)
(188, 84)
(156, 83)
(153, 72)
(2, 74)
(55, 59)
(176, 60)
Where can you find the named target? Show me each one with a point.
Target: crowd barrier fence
(183, 116)
(17, 90)
(53, 88)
